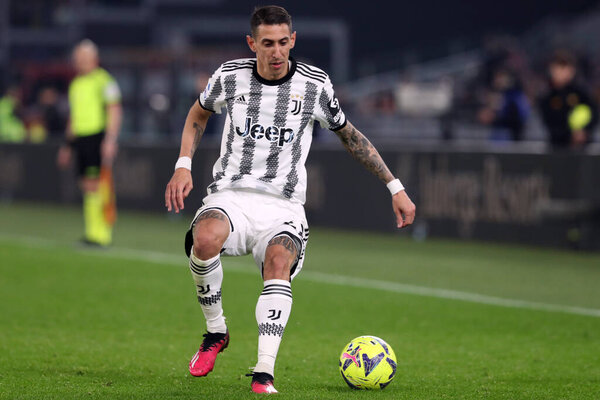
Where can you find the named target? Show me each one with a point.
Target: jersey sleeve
(328, 111)
(213, 96)
(111, 92)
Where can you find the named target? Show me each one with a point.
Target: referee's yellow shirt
(89, 95)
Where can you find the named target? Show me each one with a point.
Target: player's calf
(275, 302)
(272, 313)
(208, 277)
(210, 232)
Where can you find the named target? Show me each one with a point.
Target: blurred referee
(92, 131)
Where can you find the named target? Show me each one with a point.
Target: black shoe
(92, 244)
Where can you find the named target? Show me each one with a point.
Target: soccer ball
(368, 362)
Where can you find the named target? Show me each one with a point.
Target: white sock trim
(265, 364)
(203, 263)
(277, 282)
(277, 288)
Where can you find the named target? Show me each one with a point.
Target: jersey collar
(276, 82)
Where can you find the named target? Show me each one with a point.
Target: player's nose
(277, 52)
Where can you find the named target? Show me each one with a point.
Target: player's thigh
(89, 184)
(88, 156)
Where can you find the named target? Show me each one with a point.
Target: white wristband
(395, 186)
(184, 162)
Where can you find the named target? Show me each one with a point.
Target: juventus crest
(296, 103)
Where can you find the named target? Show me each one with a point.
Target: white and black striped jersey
(269, 124)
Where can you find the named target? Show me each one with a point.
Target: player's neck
(87, 71)
(266, 73)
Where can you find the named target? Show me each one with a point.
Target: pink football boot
(262, 383)
(204, 360)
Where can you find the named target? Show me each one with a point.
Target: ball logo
(371, 363)
(281, 135)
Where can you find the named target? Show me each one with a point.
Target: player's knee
(277, 266)
(207, 245)
(89, 185)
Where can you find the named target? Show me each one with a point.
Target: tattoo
(212, 214)
(364, 152)
(199, 132)
(286, 242)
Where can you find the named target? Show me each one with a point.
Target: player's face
(561, 75)
(272, 45)
(84, 60)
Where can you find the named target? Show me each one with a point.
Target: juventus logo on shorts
(297, 107)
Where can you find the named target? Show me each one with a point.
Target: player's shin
(272, 313)
(96, 229)
(208, 277)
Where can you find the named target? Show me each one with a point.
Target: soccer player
(92, 131)
(255, 203)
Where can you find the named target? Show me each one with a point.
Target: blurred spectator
(53, 111)
(506, 108)
(568, 111)
(36, 129)
(12, 128)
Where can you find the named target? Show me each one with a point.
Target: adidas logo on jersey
(281, 135)
(241, 100)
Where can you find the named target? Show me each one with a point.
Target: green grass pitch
(466, 320)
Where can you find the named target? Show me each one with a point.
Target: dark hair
(269, 15)
(563, 58)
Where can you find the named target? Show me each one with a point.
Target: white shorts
(256, 218)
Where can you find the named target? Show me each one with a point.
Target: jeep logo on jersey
(281, 135)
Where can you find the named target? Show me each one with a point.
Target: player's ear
(293, 40)
(251, 43)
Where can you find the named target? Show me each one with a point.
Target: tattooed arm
(365, 153)
(180, 185)
(195, 123)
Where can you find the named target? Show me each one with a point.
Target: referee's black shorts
(88, 154)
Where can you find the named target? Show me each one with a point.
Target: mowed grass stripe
(240, 265)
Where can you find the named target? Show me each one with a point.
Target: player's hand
(178, 188)
(578, 137)
(108, 150)
(404, 209)
(63, 158)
